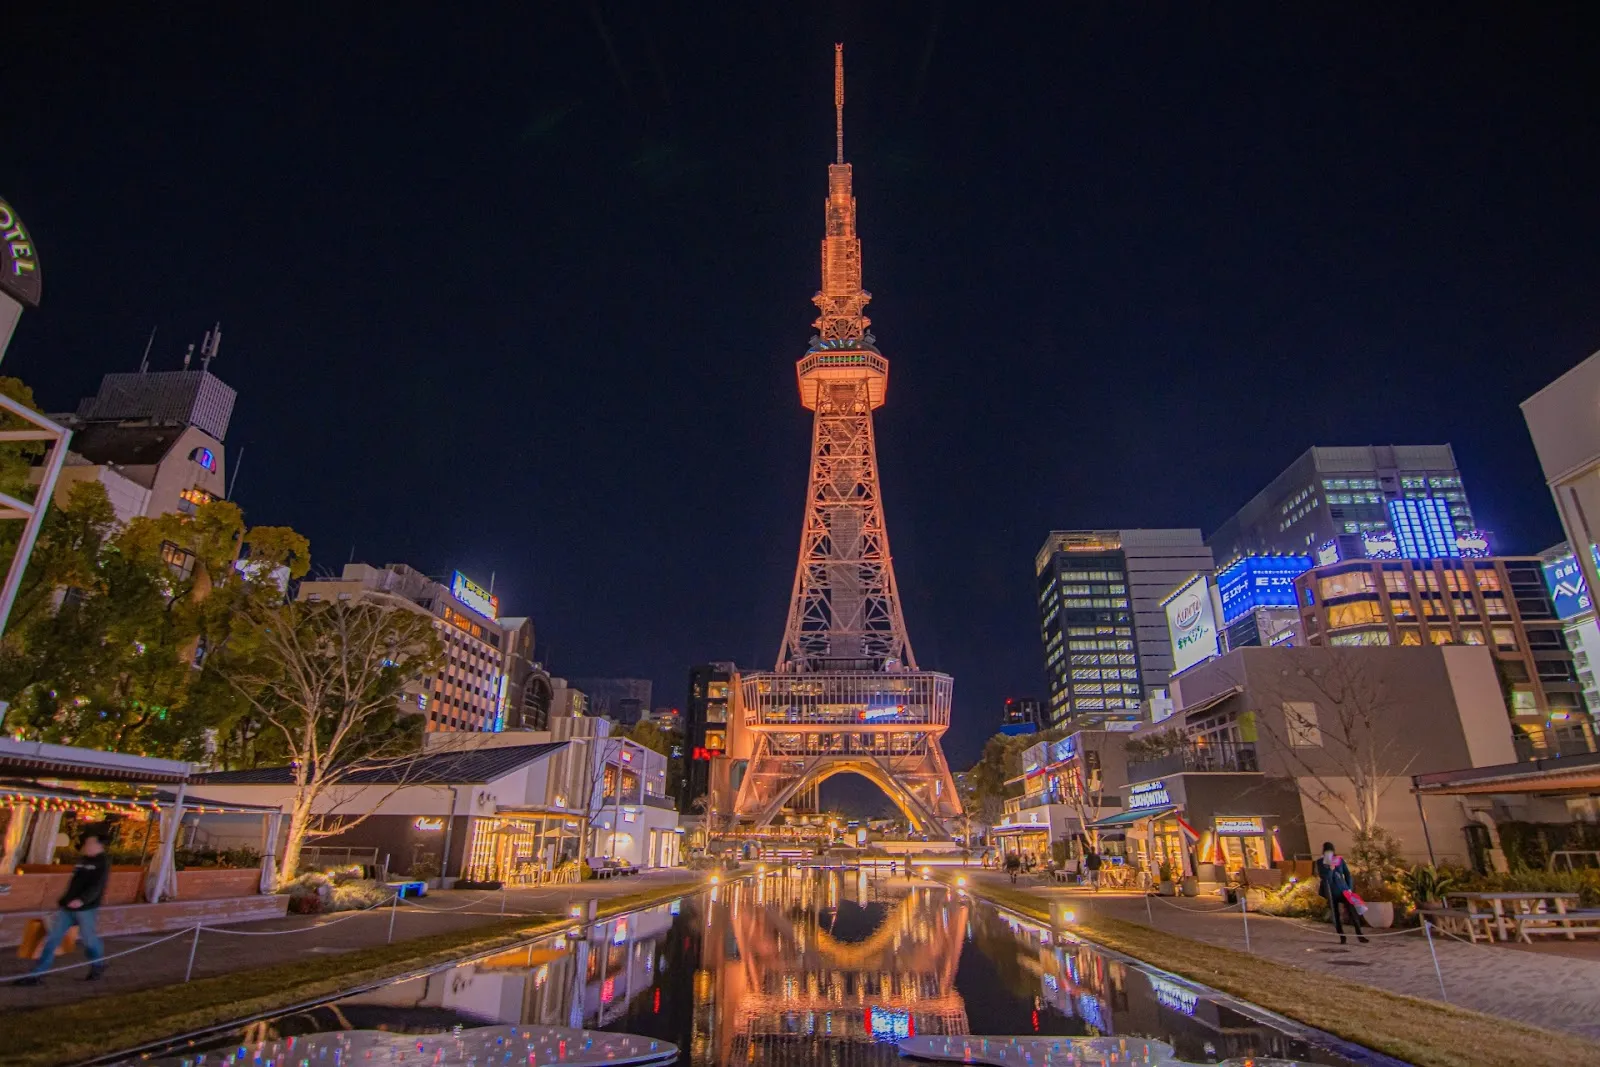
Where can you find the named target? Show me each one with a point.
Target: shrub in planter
(305, 905)
(356, 894)
(1296, 900)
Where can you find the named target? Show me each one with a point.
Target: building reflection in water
(814, 967)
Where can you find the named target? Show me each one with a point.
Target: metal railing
(1218, 756)
(1552, 748)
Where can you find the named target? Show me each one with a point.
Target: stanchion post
(394, 905)
(1244, 913)
(502, 898)
(193, 945)
(1427, 928)
(1148, 915)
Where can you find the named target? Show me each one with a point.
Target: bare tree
(1345, 741)
(606, 748)
(328, 679)
(1084, 787)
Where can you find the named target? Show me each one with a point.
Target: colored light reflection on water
(821, 967)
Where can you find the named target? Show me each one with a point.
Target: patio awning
(198, 805)
(14, 792)
(1022, 828)
(1209, 702)
(1577, 775)
(35, 759)
(1128, 818)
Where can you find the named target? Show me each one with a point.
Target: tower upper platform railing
(864, 700)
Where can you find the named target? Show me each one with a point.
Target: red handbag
(1355, 902)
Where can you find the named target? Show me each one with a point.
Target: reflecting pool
(817, 967)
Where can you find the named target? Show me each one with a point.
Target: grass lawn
(70, 1033)
(1423, 1032)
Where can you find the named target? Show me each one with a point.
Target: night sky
(523, 295)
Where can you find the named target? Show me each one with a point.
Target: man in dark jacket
(1334, 874)
(79, 907)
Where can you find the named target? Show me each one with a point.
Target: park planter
(1380, 914)
(218, 883)
(1166, 888)
(1190, 886)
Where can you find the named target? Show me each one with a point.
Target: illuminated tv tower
(846, 695)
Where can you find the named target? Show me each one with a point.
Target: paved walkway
(304, 937)
(1555, 984)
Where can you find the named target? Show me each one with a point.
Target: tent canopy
(1128, 818)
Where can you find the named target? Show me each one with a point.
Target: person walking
(80, 906)
(1091, 863)
(1338, 886)
(1013, 865)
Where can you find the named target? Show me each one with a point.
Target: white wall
(1397, 813)
(1485, 724)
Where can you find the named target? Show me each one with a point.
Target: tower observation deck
(846, 694)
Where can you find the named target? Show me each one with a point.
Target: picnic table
(1527, 913)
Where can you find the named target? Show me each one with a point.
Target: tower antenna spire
(838, 102)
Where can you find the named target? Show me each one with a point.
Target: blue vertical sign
(1568, 590)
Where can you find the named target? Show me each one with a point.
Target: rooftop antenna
(238, 461)
(491, 583)
(187, 356)
(144, 364)
(208, 349)
(838, 102)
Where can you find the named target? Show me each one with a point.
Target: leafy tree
(648, 735)
(119, 634)
(324, 680)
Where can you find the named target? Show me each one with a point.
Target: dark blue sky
(522, 295)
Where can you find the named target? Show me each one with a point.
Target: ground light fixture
(576, 911)
(715, 880)
(961, 879)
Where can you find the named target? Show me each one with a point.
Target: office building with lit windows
(1498, 602)
(705, 726)
(1106, 643)
(472, 687)
(1355, 502)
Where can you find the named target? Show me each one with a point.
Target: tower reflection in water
(795, 968)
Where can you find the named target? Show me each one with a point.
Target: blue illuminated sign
(1423, 529)
(1259, 581)
(1568, 590)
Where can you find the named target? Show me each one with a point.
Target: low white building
(512, 806)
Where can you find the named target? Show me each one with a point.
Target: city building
(1106, 644)
(1569, 593)
(567, 700)
(1500, 603)
(1067, 786)
(1021, 715)
(470, 690)
(622, 700)
(501, 806)
(1566, 435)
(1340, 503)
(1262, 759)
(154, 439)
(705, 726)
(528, 687)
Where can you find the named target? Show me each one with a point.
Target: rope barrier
(413, 902)
(1192, 911)
(101, 960)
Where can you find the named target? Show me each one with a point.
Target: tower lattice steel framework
(846, 695)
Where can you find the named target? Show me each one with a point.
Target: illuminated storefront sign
(890, 1025)
(706, 753)
(19, 263)
(1568, 590)
(1192, 624)
(429, 822)
(1474, 544)
(1327, 552)
(461, 622)
(474, 596)
(1064, 749)
(1259, 581)
(1149, 795)
(1234, 826)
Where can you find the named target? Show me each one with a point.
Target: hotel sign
(1235, 826)
(474, 596)
(19, 263)
(1149, 795)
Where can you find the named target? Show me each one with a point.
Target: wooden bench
(1473, 924)
(1568, 923)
